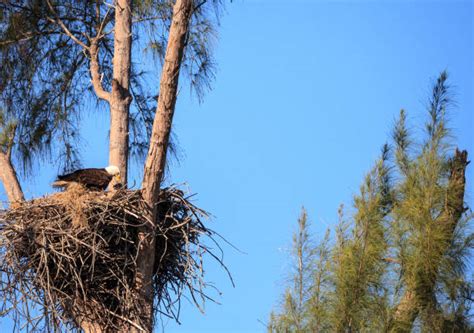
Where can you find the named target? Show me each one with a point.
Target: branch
(94, 62)
(95, 71)
(151, 18)
(199, 5)
(28, 36)
(392, 260)
(104, 22)
(64, 27)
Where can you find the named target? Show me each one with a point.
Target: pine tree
(297, 301)
(399, 262)
(427, 216)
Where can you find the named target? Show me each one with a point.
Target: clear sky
(305, 95)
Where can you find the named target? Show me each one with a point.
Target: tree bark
(9, 179)
(411, 302)
(156, 159)
(120, 97)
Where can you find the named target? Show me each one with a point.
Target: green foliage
(431, 243)
(298, 298)
(358, 263)
(318, 304)
(41, 80)
(399, 262)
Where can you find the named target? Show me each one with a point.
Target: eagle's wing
(92, 178)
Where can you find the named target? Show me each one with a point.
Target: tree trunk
(411, 302)
(156, 159)
(120, 97)
(10, 180)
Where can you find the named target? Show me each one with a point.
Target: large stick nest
(71, 258)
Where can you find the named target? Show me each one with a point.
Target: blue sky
(305, 95)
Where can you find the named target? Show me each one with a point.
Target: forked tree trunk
(156, 159)
(120, 97)
(9, 179)
(411, 302)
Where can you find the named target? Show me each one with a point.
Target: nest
(70, 258)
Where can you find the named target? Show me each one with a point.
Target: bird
(96, 179)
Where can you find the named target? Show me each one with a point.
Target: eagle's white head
(112, 170)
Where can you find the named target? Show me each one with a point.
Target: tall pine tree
(399, 262)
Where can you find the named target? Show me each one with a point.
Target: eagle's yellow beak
(117, 178)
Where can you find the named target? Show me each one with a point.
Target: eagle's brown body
(92, 179)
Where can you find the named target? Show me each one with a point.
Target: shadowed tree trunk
(415, 298)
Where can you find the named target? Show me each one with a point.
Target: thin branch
(151, 18)
(199, 5)
(28, 36)
(392, 260)
(64, 27)
(104, 22)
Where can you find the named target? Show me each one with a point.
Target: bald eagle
(92, 178)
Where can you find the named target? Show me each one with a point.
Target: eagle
(96, 179)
